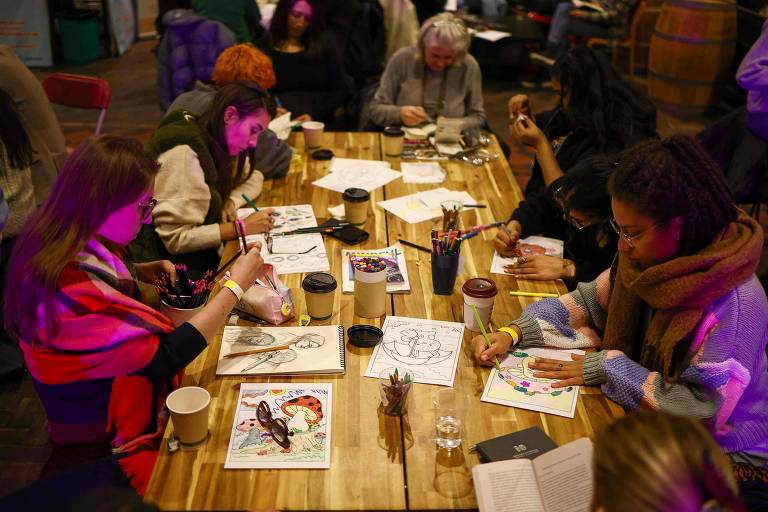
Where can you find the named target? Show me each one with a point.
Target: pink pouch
(268, 299)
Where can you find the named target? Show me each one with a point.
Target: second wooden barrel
(691, 52)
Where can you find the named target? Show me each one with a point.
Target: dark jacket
(188, 52)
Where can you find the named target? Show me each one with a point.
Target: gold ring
(522, 259)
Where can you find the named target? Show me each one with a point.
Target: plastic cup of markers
(445, 267)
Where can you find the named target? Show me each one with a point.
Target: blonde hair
(447, 31)
(657, 462)
(244, 62)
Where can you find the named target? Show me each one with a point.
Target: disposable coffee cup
(319, 294)
(479, 292)
(356, 205)
(370, 292)
(393, 141)
(313, 133)
(178, 316)
(189, 413)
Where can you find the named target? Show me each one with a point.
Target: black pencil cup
(444, 270)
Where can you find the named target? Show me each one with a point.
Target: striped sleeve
(575, 320)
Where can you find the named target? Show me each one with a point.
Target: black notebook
(524, 444)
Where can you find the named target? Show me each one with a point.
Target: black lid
(355, 195)
(393, 131)
(322, 154)
(319, 282)
(364, 335)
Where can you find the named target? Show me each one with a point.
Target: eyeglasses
(269, 239)
(629, 239)
(277, 427)
(298, 14)
(576, 223)
(146, 208)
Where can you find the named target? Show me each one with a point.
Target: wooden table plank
(435, 478)
(366, 462)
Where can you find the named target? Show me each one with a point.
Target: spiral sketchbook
(303, 350)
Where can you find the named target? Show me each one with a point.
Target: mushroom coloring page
(429, 348)
(291, 253)
(317, 349)
(294, 433)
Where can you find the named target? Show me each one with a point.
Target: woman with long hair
(204, 172)
(577, 211)
(680, 319)
(311, 82)
(597, 112)
(657, 462)
(101, 360)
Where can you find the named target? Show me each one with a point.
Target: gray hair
(446, 31)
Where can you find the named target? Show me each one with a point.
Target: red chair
(79, 91)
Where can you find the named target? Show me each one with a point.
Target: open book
(557, 481)
(594, 6)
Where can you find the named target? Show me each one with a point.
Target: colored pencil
(485, 334)
(534, 294)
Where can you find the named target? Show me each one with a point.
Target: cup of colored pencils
(451, 210)
(394, 385)
(182, 300)
(446, 246)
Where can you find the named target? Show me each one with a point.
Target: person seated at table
(311, 82)
(436, 77)
(578, 212)
(204, 172)
(570, 20)
(597, 112)
(271, 156)
(680, 319)
(100, 359)
(659, 462)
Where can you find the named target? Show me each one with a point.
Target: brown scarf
(678, 291)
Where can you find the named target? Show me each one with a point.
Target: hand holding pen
(507, 238)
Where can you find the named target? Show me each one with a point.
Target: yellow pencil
(534, 294)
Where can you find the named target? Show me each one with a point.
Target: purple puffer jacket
(188, 52)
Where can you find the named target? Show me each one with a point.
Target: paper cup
(356, 205)
(178, 316)
(189, 413)
(319, 294)
(313, 134)
(370, 293)
(479, 292)
(393, 141)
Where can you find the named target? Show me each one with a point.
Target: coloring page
(313, 350)
(306, 411)
(527, 247)
(516, 386)
(429, 348)
(423, 206)
(345, 173)
(292, 253)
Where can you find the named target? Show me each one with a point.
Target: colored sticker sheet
(514, 385)
(306, 410)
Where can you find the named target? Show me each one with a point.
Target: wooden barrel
(691, 52)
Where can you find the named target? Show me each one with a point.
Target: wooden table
(377, 462)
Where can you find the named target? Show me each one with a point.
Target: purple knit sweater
(725, 375)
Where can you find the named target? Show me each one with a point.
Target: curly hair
(601, 102)
(671, 178)
(244, 62)
(314, 39)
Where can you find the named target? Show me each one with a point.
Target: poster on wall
(122, 19)
(25, 28)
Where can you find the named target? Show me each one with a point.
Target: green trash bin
(79, 32)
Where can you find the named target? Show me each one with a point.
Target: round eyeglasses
(277, 427)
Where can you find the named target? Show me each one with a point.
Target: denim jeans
(563, 25)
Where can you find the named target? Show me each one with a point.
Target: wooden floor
(134, 111)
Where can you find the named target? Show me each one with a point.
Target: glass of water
(447, 419)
